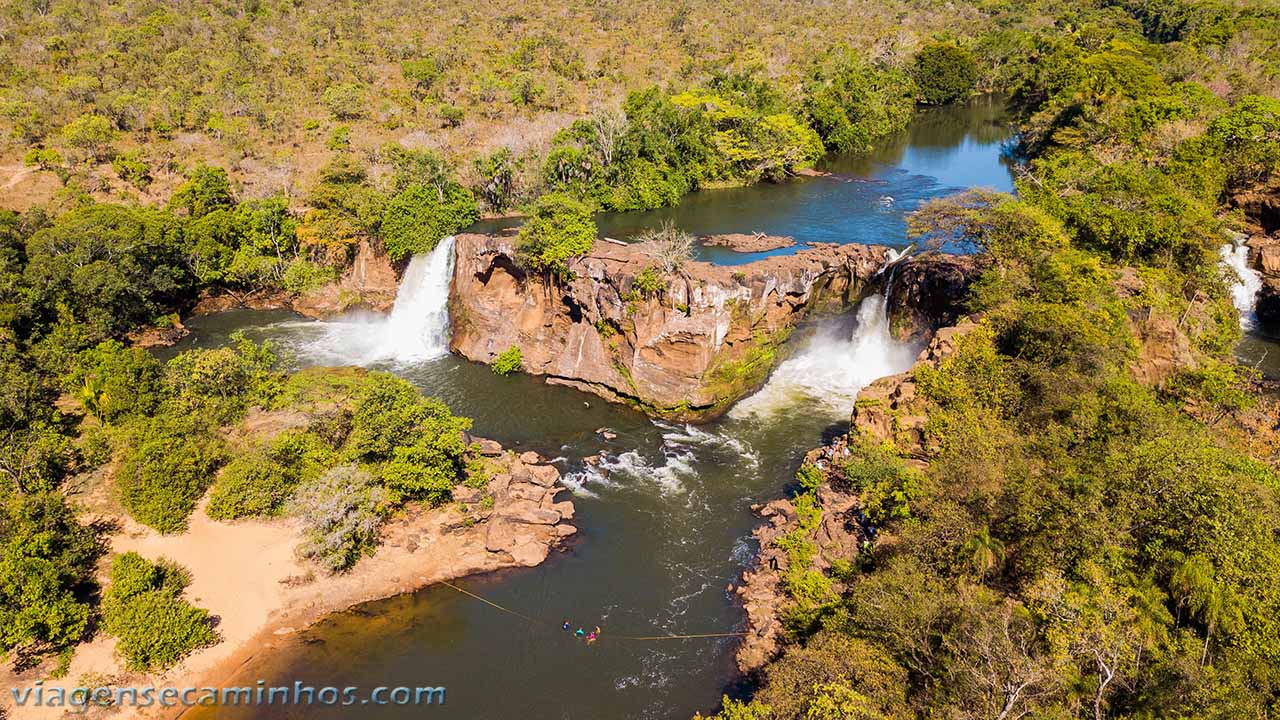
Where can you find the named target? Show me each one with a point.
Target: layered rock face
(707, 337)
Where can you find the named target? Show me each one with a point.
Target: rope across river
(535, 621)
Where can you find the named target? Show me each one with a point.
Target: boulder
(527, 511)
(543, 475)
(527, 491)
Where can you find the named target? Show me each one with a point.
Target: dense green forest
(1079, 543)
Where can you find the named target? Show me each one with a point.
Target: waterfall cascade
(832, 366)
(1244, 292)
(416, 329)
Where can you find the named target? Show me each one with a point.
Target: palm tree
(93, 396)
(1215, 603)
(985, 553)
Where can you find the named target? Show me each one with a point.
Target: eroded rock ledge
(707, 337)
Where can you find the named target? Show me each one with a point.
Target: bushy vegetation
(143, 607)
(46, 574)
(342, 511)
(852, 102)
(169, 463)
(559, 228)
(944, 73)
(508, 361)
(260, 482)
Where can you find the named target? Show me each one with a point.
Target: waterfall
(832, 367)
(1244, 292)
(418, 326)
(416, 329)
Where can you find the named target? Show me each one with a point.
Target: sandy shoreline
(247, 575)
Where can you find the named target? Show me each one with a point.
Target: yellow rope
(486, 602)
(534, 621)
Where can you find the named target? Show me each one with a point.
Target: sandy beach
(247, 575)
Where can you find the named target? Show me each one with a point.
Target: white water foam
(1244, 292)
(683, 446)
(416, 329)
(830, 369)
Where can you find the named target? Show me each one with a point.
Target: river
(665, 522)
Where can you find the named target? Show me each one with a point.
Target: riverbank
(249, 578)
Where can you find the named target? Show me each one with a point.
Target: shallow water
(664, 520)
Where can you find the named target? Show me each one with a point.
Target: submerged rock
(754, 242)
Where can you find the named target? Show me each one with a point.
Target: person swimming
(565, 626)
(579, 632)
(591, 637)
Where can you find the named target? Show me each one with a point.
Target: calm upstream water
(664, 520)
(865, 198)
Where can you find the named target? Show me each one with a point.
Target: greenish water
(1262, 353)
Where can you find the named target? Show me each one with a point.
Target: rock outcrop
(521, 519)
(371, 282)
(838, 537)
(706, 337)
(889, 410)
(1261, 207)
(1266, 258)
(927, 292)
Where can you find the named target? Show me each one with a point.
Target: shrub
(92, 133)
(206, 189)
(390, 413)
(422, 72)
(559, 228)
(648, 282)
(508, 361)
(452, 115)
(670, 246)
(342, 512)
(143, 607)
(167, 467)
(47, 563)
(887, 485)
(132, 169)
(219, 385)
(346, 102)
(115, 382)
(417, 218)
(944, 73)
(260, 482)
(302, 275)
